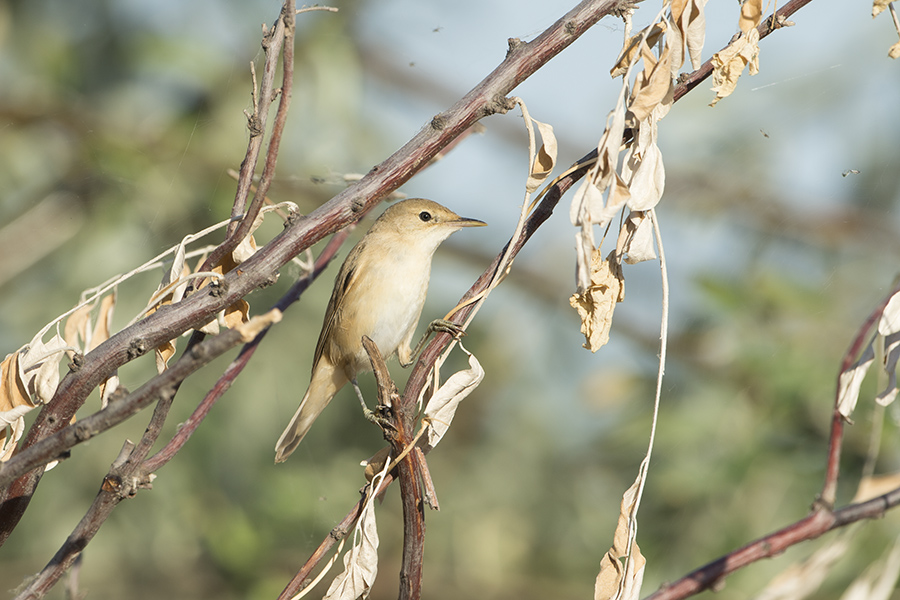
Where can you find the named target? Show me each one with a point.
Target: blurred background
(119, 120)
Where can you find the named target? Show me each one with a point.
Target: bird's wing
(345, 280)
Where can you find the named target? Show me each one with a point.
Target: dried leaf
(236, 314)
(751, 15)
(648, 181)
(729, 63)
(104, 321)
(654, 84)
(77, 326)
(14, 402)
(360, 562)
(891, 356)
(894, 52)
(107, 388)
(39, 367)
(617, 580)
(13, 391)
(889, 322)
(633, 46)
(443, 403)
(596, 304)
(875, 485)
(163, 354)
(879, 6)
(851, 380)
(695, 33)
(545, 160)
(13, 419)
(637, 245)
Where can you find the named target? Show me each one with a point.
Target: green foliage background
(123, 122)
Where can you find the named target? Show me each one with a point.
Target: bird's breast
(385, 303)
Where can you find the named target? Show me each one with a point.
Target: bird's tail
(324, 385)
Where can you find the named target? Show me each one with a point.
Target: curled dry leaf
(545, 160)
(361, 561)
(443, 403)
(728, 64)
(894, 52)
(687, 28)
(77, 327)
(588, 207)
(653, 84)
(109, 385)
(104, 321)
(643, 168)
(751, 15)
(879, 6)
(596, 304)
(636, 238)
(14, 403)
(634, 45)
(851, 379)
(622, 567)
(39, 367)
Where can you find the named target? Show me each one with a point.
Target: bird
(379, 292)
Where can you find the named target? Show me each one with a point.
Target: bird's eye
(425, 215)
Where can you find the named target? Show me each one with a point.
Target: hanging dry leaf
(443, 403)
(104, 321)
(107, 388)
(636, 238)
(14, 402)
(596, 304)
(163, 354)
(644, 169)
(653, 84)
(39, 367)
(12, 426)
(77, 327)
(237, 313)
(588, 208)
(618, 579)
(894, 52)
(751, 15)
(851, 380)
(545, 161)
(687, 28)
(729, 63)
(879, 6)
(633, 46)
(360, 562)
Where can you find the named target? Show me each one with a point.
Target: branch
(38, 454)
(487, 98)
(399, 431)
(817, 523)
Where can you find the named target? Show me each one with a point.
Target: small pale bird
(379, 292)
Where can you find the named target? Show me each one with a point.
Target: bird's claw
(445, 326)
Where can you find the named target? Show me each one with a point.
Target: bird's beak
(467, 222)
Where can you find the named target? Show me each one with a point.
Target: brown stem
(817, 523)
